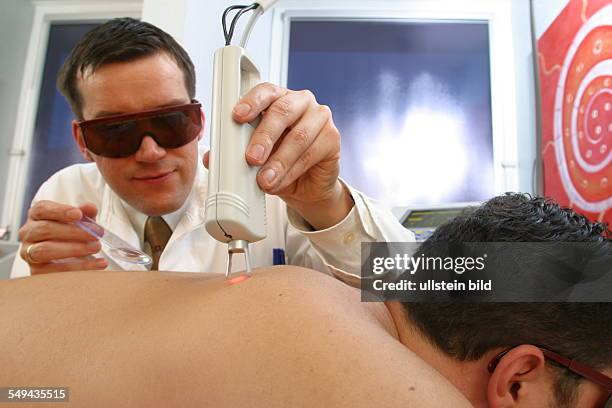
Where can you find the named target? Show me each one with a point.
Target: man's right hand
(54, 243)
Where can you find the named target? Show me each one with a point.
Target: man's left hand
(297, 146)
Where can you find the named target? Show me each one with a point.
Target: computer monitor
(424, 221)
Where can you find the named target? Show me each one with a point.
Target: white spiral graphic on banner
(578, 130)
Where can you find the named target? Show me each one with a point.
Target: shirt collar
(138, 219)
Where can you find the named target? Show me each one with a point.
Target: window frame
(45, 13)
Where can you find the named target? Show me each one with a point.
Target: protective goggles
(121, 135)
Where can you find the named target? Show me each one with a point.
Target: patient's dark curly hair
(521, 218)
(466, 331)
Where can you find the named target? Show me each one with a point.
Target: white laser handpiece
(235, 205)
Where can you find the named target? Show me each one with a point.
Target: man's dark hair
(466, 331)
(119, 40)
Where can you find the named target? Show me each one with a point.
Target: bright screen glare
(411, 100)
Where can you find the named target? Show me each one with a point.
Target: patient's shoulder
(326, 339)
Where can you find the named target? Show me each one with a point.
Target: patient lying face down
(287, 337)
(292, 337)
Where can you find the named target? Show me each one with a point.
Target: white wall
(15, 24)
(525, 95)
(170, 17)
(545, 11)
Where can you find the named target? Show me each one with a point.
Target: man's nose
(149, 150)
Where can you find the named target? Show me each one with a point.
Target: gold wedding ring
(28, 253)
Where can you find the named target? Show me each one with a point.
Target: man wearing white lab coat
(126, 67)
(191, 248)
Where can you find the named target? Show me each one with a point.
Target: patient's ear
(520, 380)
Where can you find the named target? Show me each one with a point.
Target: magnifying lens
(115, 247)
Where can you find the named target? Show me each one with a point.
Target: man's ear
(78, 138)
(520, 379)
(203, 125)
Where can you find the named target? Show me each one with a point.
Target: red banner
(575, 63)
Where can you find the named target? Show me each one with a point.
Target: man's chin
(159, 206)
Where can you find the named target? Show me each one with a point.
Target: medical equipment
(235, 205)
(423, 221)
(113, 246)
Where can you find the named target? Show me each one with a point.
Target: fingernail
(94, 245)
(242, 109)
(269, 175)
(256, 152)
(73, 213)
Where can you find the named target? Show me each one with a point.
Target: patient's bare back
(286, 337)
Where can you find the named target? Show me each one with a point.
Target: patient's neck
(469, 377)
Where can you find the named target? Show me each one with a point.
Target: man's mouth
(154, 177)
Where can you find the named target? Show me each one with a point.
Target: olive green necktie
(156, 234)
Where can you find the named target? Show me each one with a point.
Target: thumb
(89, 210)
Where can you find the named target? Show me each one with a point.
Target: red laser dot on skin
(237, 279)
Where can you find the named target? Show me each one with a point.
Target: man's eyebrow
(105, 113)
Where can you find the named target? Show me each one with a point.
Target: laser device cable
(243, 9)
